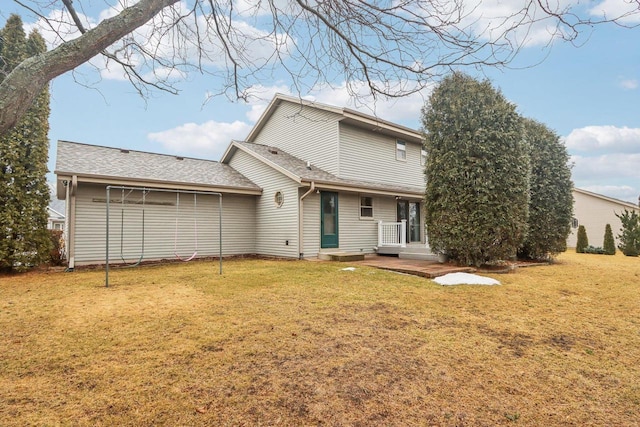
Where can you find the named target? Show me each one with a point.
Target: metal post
(220, 229)
(106, 283)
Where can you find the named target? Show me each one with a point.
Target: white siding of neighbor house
(276, 227)
(371, 156)
(161, 240)
(595, 213)
(307, 133)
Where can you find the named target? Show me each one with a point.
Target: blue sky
(589, 94)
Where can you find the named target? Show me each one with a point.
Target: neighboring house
(55, 220)
(56, 210)
(595, 211)
(310, 178)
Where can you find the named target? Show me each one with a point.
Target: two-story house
(329, 176)
(309, 178)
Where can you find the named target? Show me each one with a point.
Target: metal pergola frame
(160, 190)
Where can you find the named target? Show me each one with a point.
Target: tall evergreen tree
(551, 198)
(609, 244)
(629, 233)
(24, 196)
(477, 172)
(582, 240)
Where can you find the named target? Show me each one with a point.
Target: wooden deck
(429, 269)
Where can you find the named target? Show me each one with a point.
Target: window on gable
(401, 150)
(366, 207)
(423, 157)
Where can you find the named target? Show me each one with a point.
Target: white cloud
(518, 22)
(621, 192)
(626, 11)
(208, 139)
(599, 138)
(175, 36)
(614, 175)
(606, 167)
(58, 27)
(629, 84)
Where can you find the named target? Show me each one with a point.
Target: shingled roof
(86, 160)
(297, 169)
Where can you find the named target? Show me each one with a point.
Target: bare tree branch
(391, 48)
(26, 81)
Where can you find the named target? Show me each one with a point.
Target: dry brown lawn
(300, 343)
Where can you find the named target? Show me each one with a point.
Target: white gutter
(301, 219)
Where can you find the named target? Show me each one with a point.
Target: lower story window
(366, 207)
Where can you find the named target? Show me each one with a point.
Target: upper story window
(401, 150)
(366, 207)
(574, 222)
(423, 157)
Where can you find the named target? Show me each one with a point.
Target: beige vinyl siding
(160, 214)
(276, 228)
(595, 213)
(370, 156)
(311, 206)
(361, 235)
(307, 133)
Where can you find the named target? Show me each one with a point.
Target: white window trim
(423, 157)
(401, 146)
(278, 201)
(360, 206)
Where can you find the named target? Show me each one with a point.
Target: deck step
(341, 256)
(421, 255)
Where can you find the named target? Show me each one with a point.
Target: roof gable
(347, 115)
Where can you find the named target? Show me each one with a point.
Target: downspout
(67, 206)
(301, 220)
(72, 191)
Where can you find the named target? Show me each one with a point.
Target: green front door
(329, 219)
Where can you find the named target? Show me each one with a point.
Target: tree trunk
(25, 82)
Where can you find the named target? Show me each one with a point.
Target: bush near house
(583, 241)
(630, 233)
(594, 250)
(609, 243)
(57, 247)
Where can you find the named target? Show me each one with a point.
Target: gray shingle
(92, 160)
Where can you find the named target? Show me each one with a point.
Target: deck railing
(392, 234)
